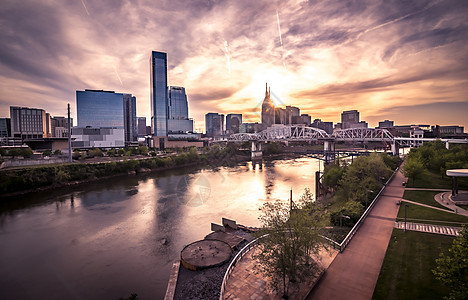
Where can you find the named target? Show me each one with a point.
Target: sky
(405, 61)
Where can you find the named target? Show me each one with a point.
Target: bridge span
(286, 133)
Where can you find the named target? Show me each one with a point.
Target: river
(111, 238)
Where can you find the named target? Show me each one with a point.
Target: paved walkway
(354, 273)
(443, 199)
(244, 283)
(429, 206)
(431, 190)
(437, 229)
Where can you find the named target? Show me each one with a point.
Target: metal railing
(234, 261)
(358, 224)
(340, 246)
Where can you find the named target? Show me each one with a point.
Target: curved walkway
(245, 283)
(443, 199)
(354, 273)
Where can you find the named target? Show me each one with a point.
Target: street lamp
(367, 195)
(406, 205)
(383, 180)
(341, 218)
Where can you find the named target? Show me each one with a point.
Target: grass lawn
(423, 197)
(406, 270)
(414, 211)
(431, 180)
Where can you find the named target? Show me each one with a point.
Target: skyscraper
(141, 121)
(349, 118)
(99, 109)
(268, 110)
(233, 122)
(214, 124)
(130, 119)
(158, 94)
(178, 120)
(28, 123)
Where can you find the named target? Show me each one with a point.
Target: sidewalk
(354, 273)
(244, 283)
(443, 199)
(437, 229)
(429, 206)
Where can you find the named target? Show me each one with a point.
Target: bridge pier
(447, 145)
(395, 148)
(256, 151)
(329, 150)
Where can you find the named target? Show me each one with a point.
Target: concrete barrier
(217, 227)
(229, 223)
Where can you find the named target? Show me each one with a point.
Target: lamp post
(341, 218)
(406, 205)
(367, 195)
(383, 180)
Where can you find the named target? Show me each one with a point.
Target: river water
(108, 239)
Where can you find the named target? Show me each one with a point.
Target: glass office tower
(98, 108)
(179, 121)
(158, 93)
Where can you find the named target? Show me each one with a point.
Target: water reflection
(108, 239)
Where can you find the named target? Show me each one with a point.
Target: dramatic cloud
(400, 60)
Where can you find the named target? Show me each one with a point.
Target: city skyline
(399, 61)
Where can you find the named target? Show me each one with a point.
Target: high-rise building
(268, 110)
(5, 127)
(99, 108)
(141, 124)
(348, 118)
(214, 124)
(233, 122)
(178, 118)
(59, 126)
(107, 109)
(130, 119)
(386, 124)
(158, 94)
(326, 126)
(291, 113)
(28, 123)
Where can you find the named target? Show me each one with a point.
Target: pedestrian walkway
(354, 273)
(430, 190)
(245, 283)
(444, 199)
(429, 206)
(437, 229)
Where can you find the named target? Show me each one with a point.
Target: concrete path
(429, 206)
(354, 273)
(245, 283)
(437, 229)
(443, 199)
(431, 190)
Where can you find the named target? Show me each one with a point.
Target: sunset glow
(400, 60)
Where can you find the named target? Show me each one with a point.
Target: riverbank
(18, 182)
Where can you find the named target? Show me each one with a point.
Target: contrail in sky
(226, 52)
(84, 5)
(115, 70)
(281, 40)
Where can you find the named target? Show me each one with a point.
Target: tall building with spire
(268, 109)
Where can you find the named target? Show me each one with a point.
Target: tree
(47, 152)
(413, 169)
(57, 152)
(452, 268)
(290, 250)
(26, 152)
